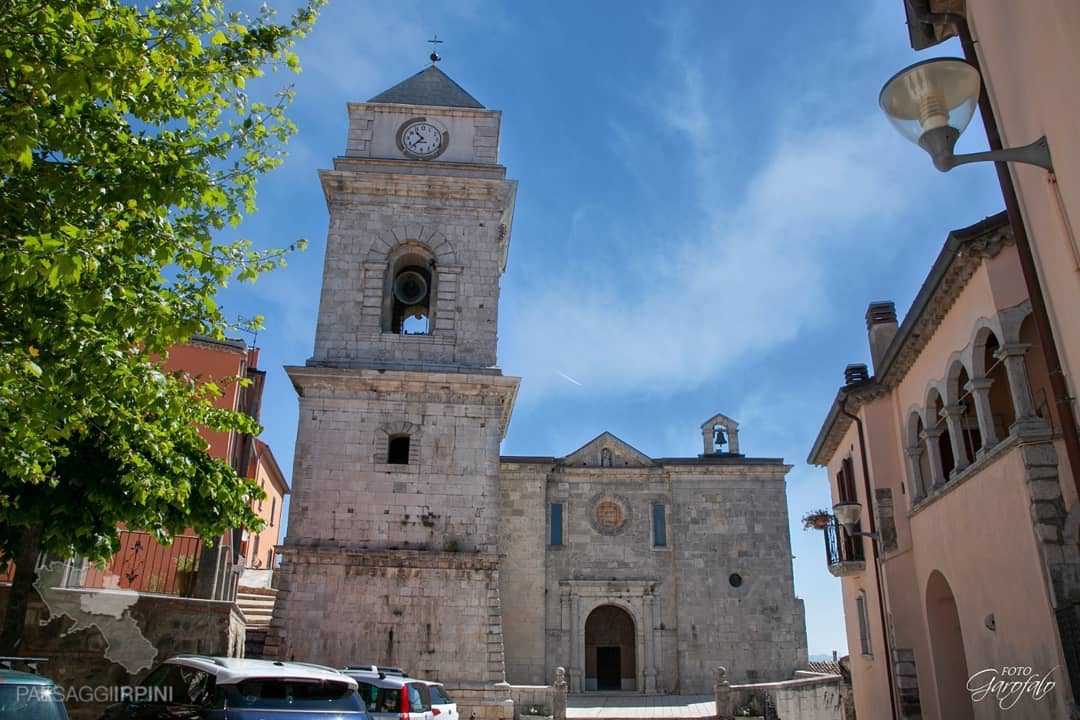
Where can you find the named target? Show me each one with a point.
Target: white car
(442, 707)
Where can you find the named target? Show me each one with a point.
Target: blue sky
(708, 199)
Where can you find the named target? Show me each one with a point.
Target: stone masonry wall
(735, 524)
(436, 615)
(522, 538)
(628, 553)
(459, 223)
(445, 498)
(78, 662)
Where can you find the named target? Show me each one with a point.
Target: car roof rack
(382, 670)
(31, 663)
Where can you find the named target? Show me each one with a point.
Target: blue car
(24, 696)
(195, 687)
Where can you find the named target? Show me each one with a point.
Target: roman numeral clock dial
(420, 139)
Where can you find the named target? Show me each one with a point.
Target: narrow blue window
(659, 526)
(556, 523)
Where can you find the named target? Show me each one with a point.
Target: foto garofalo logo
(1009, 684)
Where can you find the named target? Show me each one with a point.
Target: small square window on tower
(398, 450)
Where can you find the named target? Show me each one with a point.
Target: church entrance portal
(609, 650)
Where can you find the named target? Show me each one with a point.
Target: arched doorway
(610, 657)
(947, 647)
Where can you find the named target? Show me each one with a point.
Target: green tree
(127, 141)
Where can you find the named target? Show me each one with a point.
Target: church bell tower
(391, 555)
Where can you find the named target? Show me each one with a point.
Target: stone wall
(522, 539)
(723, 517)
(444, 498)
(460, 224)
(170, 625)
(526, 696)
(436, 615)
(730, 521)
(809, 696)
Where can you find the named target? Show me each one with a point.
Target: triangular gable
(430, 86)
(592, 454)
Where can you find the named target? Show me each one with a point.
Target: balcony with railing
(144, 565)
(843, 553)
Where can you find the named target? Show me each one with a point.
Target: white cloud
(741, 277)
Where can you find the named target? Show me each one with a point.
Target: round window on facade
(735, 579)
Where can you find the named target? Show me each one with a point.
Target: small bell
(720, 439)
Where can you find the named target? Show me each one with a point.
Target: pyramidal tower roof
(430, 86)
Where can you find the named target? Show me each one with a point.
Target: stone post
(725, 708)
(980, 393)
(558, 695)
(918, 482)
(1012, 356)
(952, 415)
(933, 454)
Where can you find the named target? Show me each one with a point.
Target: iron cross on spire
(435, 57)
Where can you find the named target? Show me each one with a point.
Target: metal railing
(839, 547)
(144, 565)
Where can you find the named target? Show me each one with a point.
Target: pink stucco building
(957, 442)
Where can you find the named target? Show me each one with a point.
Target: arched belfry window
(408, 298)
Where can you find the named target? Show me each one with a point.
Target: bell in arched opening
(412, 301)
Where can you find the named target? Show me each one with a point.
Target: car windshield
(31, 702)
(438, 696)
(289, 694)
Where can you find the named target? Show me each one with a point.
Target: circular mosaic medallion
(610, 514)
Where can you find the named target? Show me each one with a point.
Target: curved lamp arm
(939, 142)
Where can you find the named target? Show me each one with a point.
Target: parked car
(216, 688)
(391, 695)
(442, 707)
(25, 696)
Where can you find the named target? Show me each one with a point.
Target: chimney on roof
(880, 329)
(855, 374)
(834, 656)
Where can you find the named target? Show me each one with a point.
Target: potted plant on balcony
(816, 519)
(186, 571)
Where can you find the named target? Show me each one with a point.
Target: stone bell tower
(391, 553)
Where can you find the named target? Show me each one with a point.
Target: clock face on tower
(420, 138)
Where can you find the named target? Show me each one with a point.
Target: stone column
(1012, 356)
(980, 393)
(918, 483)
(933, 453)
(650, 650)
(558, 695)
(952, 415)
(577, 647)
(724, 702)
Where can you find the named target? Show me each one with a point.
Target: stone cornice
(417, 190)
(330, 381)
(440, 110)
(483, 171)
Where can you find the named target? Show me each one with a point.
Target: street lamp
(848, 514)
(931, 103)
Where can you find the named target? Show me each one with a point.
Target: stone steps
(257, 604)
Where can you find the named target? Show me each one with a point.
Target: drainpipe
(876, 551)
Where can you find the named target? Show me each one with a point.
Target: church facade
(646, 574)
(411, 542)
